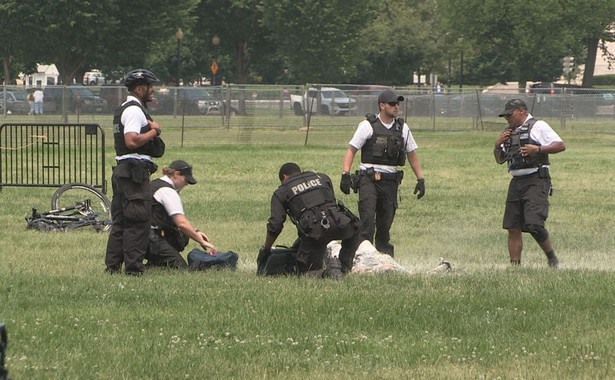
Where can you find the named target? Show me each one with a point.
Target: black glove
(261, 260)
(345, 183)
(419, 188)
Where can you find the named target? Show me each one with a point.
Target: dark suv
(74, 98)
(189, 100)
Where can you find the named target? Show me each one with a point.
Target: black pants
(377, 206)
(131, 214)
(311, 252)
(162, 254)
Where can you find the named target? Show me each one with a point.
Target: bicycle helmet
(139, 76)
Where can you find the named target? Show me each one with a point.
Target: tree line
(479, 42)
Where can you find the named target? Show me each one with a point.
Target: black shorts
(527, 202)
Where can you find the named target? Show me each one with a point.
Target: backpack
(201, 260)
(282, 260)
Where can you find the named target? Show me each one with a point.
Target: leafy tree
(16, 35)
(592, 23)
(243, 37)
(403, 38)
(318, 40)
(525, 40)
(80, 34)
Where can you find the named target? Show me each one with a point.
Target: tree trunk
(590, 62)
(6, 62)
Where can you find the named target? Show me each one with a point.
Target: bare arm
(500, 156)
(135, 140)
(554, 147)
(413, 160)
(349, 158)
(186, 227)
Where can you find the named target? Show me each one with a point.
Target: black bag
(282, 260)
(201, 260)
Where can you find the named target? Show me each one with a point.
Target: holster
(354, 181)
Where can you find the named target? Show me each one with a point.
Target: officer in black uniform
(308, 199)
(385, 142)
(136, 139)
(525, 145)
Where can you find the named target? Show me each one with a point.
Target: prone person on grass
(308, 199)
(171, 230)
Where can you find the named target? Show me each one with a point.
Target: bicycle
(73, 193)
(81, 214)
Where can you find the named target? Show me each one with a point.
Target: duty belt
(149, 165)
(378, 176)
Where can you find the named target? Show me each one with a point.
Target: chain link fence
(310, 113)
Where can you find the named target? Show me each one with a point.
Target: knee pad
(539, 233)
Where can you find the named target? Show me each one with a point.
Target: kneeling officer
(308, 199)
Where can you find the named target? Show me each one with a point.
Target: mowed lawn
(67, 319)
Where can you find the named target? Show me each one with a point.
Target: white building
(44, 75)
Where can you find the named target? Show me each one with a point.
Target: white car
(328, 101)
(93, 78)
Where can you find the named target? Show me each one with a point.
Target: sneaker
(334, 269)
(553, 262)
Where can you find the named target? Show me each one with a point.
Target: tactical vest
(386, 146)
(164, 222)
(518, 138)
(307, 191)
(154, 147)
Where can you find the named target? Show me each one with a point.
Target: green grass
(67, 319)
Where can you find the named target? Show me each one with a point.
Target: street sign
(214, 67)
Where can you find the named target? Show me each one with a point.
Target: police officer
(525, 145)
(136, 140)
(308, 199)
(385, 142)
(170, 227)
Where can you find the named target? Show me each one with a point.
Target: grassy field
(67, 319)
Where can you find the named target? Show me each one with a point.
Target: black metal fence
(51, 155)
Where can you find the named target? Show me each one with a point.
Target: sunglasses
(393, 104)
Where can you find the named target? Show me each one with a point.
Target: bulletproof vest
(162, 220)
(307, 191)
(160, 217)
(518, 138)
(151, 148)
(386, 146)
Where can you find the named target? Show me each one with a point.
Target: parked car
(15, 102)
(93, 78)
(333, 101)
(74, 98)
(190, 100)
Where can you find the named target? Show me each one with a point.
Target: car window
(195, 93)
(335, 93)
(82, 92)
(19, 95)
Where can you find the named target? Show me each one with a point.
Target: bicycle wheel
(72, 193)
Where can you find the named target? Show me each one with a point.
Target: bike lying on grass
(72, 207)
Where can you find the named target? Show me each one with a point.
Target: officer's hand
(345, 183)
(261, 260)
(419, 188)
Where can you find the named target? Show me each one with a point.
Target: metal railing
(51, 155)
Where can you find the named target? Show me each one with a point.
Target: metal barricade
(51, 155)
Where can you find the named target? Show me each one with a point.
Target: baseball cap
(184, 169)
(512, 105)
(388, 96)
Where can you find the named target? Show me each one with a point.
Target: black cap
(512, 105)
(388, 96)
(185, 169)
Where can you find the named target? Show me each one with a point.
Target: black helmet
(139, 76)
